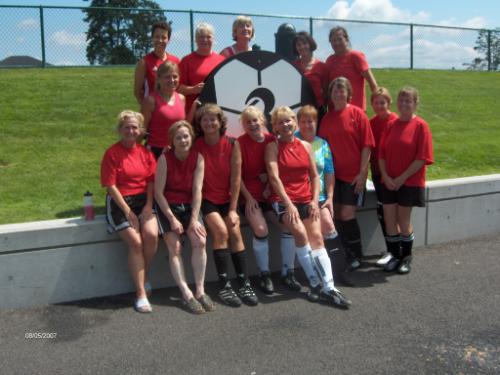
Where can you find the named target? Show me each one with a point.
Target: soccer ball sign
(260, 78)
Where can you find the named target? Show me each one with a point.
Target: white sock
(261, 251)
(323, 266)
(306, 262)
(287, 253)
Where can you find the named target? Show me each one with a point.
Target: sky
(385, 46)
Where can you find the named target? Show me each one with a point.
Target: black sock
(353, 237)
(381, 220)
(407, 244)
(221, 259)
(333, 244)
(394, 243)
(240, 264)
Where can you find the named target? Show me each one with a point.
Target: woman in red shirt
(405, 150)
(163, 107)
(291, 168)
(346, 62)
(127, 172)
(348, 132)
(145, 71)
(221, 187)
(178, 183)
(243, 32)
(381, 104)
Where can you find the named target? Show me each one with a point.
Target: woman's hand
(251, 207)
(389, 182)
(313, 211)
(359, 183)
(176, 226)
(133, 220)
(198, 228)
(233, 217)
(328, 203)
(398, 182)
(291, 214)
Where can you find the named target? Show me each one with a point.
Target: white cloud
(474, 23)
(374, 10)
(65, 38)
(27, 24)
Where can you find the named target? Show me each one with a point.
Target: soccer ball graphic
(260, 78)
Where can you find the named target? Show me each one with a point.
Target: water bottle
(88, 206)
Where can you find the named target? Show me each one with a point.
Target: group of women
(308, 175)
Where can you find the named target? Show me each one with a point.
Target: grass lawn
(56, 123)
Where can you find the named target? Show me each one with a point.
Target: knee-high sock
(261, 251)
(323, 266)
(240, 264)
(306, 262)
(407, 244)
(394, 245)
(352, 236)
(381, 220)
(221, 259)
(287, 253)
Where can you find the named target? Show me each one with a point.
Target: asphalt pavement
(442, 318)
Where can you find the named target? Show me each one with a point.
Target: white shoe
(384, 260)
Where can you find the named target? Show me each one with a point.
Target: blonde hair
(242, 21)
(307, 110)
(252, 111)
(204, 27)
(166, 67)
(410, 91)
(281, 112)
(128, 114)
(210, 109)
(383, 92)
(340, 82)
(175, 128)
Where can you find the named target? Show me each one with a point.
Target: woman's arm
(235, 182)
(410, 171)
(359, 181)
(199, 173)
(315, 183)
(370, 78)
(191, 90)
(115, 194)
(147, 109)
(388, 181)
(139, 76)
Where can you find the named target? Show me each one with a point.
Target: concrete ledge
(63, 260)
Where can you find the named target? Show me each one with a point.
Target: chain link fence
(57, 36)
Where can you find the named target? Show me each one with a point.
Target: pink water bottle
(88, 206)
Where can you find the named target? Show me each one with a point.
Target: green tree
(487, 40)
(120, 36)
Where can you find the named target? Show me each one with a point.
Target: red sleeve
(184, 71)
(360, 62)
(424, 144)
(108, 170)
(366, 131)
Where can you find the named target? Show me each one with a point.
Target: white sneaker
(384, 260)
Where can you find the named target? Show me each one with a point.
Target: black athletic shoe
(404, 266)
(228, 296)
(335, 297)
(314, 293)
(291, 282)
(392, 265)
(247, 294)
(266, 284)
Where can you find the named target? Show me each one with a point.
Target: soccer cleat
(291, 282)
(391, 265)
(336, 298)
(247, 295)
(266, 284)
(384, 260)
(314, 293)
(405, 266)
(354, 265)
(228, 296)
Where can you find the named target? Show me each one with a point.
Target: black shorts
(264, 206)
(406, 196)
(208, 207)
(344, 194)
(182, 212)
(303, 209)
(377, 184)
(116, 217)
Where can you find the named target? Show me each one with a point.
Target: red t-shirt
(163, 116)
(180, 175)
(194, 69)
(349, 65)
(294, 166)
(347, 132)
(217, 177)
(253, 167)
(130, 169)
(153, 62)
(315, 77)
(402, 144)
(378, 126)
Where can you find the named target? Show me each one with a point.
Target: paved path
(443, 318)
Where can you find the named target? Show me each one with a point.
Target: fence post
(489, 50)
(191, 26)
(311, 26)
(411, 46)
(42, 35)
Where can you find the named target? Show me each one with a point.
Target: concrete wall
(63, 260)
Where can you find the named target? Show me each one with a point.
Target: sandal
(207, 303)
(193, 306)
(142, 305)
